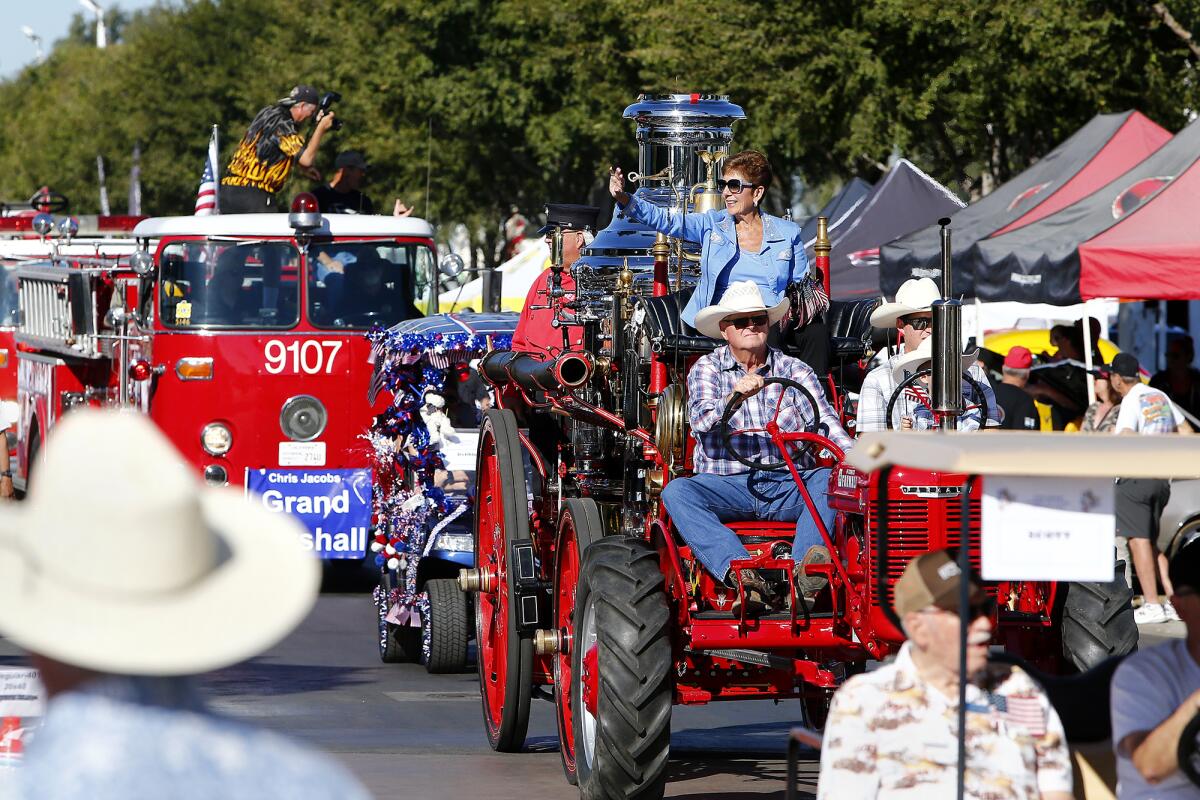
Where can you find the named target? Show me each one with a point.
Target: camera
(326, 104)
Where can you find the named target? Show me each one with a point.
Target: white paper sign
(1048, 529)
(301, 454)
(21, 693)
(461, 455)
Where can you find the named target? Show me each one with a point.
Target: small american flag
(206, 195)
(1026, 712)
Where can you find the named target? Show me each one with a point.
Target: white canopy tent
(519, 273)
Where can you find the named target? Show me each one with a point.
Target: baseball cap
(1019, 358)
(302, 93)
(350, 158)
(931, 579)
(1185, 567)
(1125, 365)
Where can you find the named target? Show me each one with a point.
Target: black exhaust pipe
(567, 371)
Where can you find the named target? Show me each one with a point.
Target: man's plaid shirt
(879, 385)
(710, 383)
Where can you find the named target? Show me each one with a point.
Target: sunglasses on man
(734, 185)
(918, 323)
(755, 321)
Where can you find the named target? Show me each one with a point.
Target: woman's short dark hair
(753, 165)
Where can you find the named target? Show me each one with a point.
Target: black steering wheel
(977, 395)
(49, 202)
(769, 427)
(1188, 751)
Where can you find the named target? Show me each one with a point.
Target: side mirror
(142, 263)
(451, 265)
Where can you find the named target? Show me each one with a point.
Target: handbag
(808, 301)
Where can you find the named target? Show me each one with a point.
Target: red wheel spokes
(493, 606)
(568, 575)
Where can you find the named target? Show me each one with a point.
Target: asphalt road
(406, 733)
(409, 734)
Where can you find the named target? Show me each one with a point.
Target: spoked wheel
(501, 516)
(621, 672)
(580, 525)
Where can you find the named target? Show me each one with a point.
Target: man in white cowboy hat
(725, 489)
(122, 575)
(911, 314)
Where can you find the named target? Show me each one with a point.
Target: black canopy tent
(904, 200)
(841, 210)
(1105, 147)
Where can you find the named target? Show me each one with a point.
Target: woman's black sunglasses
(734, 185)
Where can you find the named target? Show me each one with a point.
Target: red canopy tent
(1137, 138)
(1153, 252)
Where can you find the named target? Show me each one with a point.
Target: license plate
(301, 454)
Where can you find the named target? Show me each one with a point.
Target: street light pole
(101, 32)
(36, 40)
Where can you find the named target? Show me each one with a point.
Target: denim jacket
(718, 242)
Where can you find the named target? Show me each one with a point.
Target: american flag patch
(1023, 711)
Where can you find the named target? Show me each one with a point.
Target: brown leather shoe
(809, 585)
(758, 593)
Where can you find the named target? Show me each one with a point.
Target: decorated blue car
(424, 447)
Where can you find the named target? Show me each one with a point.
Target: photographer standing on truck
(264, 158)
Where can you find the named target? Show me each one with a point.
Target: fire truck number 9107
(311, 356)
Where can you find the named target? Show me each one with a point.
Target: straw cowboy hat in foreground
(121, 561)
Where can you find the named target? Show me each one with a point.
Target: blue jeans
(700, 506)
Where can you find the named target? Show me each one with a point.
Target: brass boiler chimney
(947, 342)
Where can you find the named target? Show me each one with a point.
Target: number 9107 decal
(303, 357)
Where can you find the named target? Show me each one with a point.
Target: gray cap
(350, 158)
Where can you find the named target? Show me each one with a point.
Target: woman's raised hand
(616, 185)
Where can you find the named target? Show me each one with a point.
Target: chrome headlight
(216, 439)
(456, 542)
(303, 418)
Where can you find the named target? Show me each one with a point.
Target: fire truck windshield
(9, 301)
(360, 284)
(207, 283)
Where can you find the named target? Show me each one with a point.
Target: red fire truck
(30, 238)
(243, 338)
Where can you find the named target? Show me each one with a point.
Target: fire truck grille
(46, 307)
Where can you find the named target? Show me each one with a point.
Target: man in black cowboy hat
(264, 158)
(534, 332)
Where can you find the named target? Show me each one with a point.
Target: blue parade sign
(334, 504)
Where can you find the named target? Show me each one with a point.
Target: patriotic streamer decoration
(409, 510)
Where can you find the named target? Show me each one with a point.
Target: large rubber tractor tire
(579, 526)
(505, 658)
(449, 629)
(621, 672)
(1097, 621)
(398, 644)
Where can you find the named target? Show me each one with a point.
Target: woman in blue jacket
(738, 243)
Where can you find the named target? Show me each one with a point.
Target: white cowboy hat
(919, 358)
(120, 561)
(742, 297)
(915, 294)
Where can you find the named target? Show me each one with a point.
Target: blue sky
(49, 20)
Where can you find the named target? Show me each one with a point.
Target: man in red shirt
(534, 332)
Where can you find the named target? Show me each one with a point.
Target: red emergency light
(305, 213)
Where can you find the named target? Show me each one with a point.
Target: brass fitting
(480, 579)
(546, 642)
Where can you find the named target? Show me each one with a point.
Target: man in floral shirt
(892, 733)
